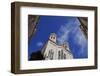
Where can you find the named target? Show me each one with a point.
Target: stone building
(53, 51)
(32, 24)
(84, 25)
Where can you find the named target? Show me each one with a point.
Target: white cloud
(39, 44)
(78, 37)
(65, 30)
(63, 34)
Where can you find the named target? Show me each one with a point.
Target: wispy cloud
(72, 29)
(63, 34)
(39, 44)
(80, 40)
(65, 30)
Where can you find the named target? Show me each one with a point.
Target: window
(59, 55)
(64, 56)
(50, 54)
(51, 57)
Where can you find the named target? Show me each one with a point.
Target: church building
(54, 51)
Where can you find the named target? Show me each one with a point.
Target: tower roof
(53, 34)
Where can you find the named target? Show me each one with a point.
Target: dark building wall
(36, 56)
(84, 25)
(32, 23)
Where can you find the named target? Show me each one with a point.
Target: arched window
(50, 54)
(59, 56)
(62, 54)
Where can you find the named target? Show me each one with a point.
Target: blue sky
(67, 30)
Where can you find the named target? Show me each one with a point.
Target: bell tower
(66, 45)
(53, 37)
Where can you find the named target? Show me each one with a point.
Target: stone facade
(53, 51)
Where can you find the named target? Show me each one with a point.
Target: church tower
(53, 37)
